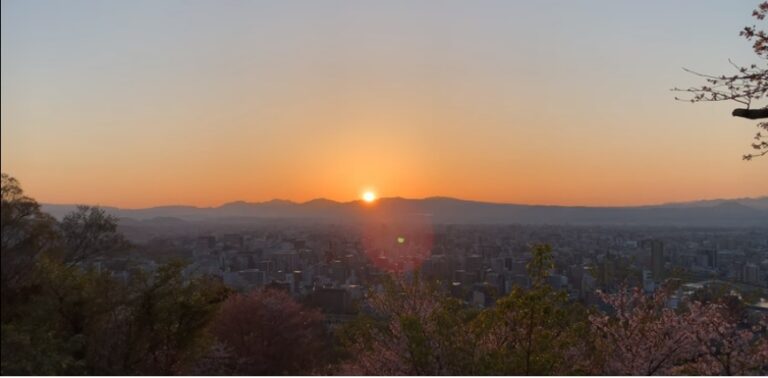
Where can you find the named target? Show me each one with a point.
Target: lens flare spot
(398, 245)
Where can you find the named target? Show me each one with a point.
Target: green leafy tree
(26, 234)
(413, 329)
(89, 232)
(61, 317)
(535, 331)
(162, 327)
(84, 322)
(59, 322)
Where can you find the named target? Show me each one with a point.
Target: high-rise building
(648, 284)
(751, 273)
(233, 240)
(473, 263)
(206, 242)
(711, 257)
(656, 248)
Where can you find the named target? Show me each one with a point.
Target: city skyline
(384, 188)
(140, 104)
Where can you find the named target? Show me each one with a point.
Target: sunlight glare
(369, 196)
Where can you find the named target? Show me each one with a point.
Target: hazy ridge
(728, 213)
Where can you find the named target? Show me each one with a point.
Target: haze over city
(144, 103)
(384, 188)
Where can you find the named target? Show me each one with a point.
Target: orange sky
(139, 104)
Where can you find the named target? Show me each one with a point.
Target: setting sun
(210, 172)
(369, 196)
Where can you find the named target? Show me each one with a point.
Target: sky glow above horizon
(145, 103)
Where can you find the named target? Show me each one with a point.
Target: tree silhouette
(26, 233)
(748, 85)
(60, 317)
(89, 232)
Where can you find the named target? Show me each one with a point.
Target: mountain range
(744, 212)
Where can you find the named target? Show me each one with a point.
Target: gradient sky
(143, 103)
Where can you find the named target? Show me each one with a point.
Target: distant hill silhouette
(757, 203)
(727, 213)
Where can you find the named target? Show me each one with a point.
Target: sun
(369, 196)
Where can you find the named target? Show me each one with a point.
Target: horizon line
(274, 200)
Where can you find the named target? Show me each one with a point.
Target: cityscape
(475, 262)
(384, 188)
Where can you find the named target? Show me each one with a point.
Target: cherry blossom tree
(416, 330)
(267, 332)
(747, 86)
(729, 345)
(643, 336)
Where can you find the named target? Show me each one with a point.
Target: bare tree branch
(750, 113)
(748, 84)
